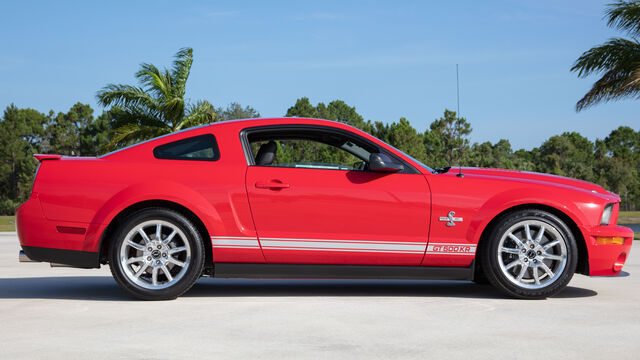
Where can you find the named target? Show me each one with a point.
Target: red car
(305, 198)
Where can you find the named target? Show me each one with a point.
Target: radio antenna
(458, 89)
(460, 174)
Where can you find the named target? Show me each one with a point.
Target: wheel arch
(583, 255)
(107, 234)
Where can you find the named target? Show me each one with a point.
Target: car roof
(196, 130)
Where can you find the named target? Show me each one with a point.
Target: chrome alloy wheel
(155, 254)
(532, 254)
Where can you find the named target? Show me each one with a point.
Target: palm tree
(157, 107)
(618, 60)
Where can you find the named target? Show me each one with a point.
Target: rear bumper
(80, 259)
(608, 259)
(52, 241)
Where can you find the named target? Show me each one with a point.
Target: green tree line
(613, 162)
(157, 106)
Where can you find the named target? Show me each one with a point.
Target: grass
(629, 217)
(636, 236)
(7, 223)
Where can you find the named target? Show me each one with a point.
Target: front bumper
(608, 259)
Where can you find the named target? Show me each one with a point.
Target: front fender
(557, 200)
(506, 200)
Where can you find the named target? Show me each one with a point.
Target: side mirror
(382, 163)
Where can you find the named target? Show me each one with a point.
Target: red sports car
(305, 198)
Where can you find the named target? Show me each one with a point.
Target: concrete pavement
(63, 313)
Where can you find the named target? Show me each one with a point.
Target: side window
(202, 147)
(312, 154)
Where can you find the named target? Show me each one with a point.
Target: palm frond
(615, 53)
(125, 95)
(611, 86)
(618, 60)
(181, 69)
(131, 133)
(136, 115)
(173, 109)
(200, 113)
(155, 81)
(625, 16)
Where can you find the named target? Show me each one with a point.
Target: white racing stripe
(343, 250)
(337, 244)
(262, 239)
(376, 246)
(235, 242)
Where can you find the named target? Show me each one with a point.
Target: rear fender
(157, 190)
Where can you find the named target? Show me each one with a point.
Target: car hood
(536, 177)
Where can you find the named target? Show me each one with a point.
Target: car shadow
(104, 288)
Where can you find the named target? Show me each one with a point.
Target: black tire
(529, 255)
(186, 275)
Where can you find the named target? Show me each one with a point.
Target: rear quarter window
(201, 147)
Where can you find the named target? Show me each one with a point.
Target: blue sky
(388, 59)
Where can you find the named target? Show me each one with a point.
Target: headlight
(606, 214)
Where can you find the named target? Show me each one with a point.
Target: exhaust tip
(23, 258)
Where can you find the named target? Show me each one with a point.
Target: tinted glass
(203, 147)
(304, 153)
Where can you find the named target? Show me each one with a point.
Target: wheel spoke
(158, 232)
(170, 237)
(512, 264)
(550, 245)
(141, 270)
(510, 250)
(135, 260)
(515, 238)
(177, 250)
(552, 257)
(523, 271)
(154, 276)
(144, 236)
(175, 261)
(136, 245)
(547, 270)
(536, 276)
(166, 272)
(527, 231)
(540, 234)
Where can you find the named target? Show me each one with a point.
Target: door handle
(273, 184)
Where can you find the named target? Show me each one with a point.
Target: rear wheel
(157, 254)
(530, 254)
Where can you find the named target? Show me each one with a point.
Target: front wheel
(530, 254)
(157, 254)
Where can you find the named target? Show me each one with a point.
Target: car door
(311, 207)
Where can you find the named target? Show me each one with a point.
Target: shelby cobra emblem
(451, 221)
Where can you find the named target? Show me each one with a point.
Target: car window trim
(214, 143)
(246, 146)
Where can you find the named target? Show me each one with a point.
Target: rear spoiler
(42, 157)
